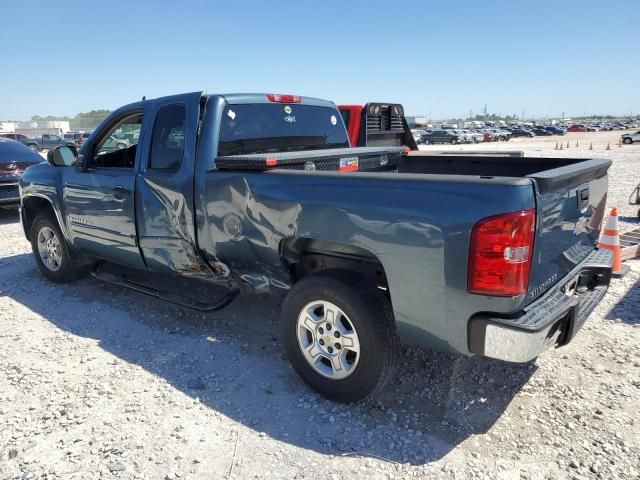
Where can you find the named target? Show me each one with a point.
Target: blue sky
(440, 58)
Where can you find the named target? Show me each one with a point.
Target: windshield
(277, 127)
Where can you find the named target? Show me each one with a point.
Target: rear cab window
(167, 143)
(268, 128)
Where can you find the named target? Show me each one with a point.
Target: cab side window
(167, 142)
(117, 148)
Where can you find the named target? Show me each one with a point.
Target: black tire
(120, 146)
(67, 271)
(628, 141)
(34, 147)
(372, 317)
(454, 141)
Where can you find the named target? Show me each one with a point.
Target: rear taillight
(284, 98)
(500, 254)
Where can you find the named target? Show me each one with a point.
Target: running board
(134, 280)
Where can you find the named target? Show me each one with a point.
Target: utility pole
(485, 112)
(523, 114)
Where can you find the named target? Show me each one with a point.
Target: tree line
(84, 120)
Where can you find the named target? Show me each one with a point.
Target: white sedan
(629, 138)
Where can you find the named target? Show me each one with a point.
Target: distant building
(417, 121)
(7, 127)
(40, 127)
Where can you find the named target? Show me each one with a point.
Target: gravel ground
(96, 382)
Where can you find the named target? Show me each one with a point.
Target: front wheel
(628, 141)
(51, 252)
(339, 334)
(34, 148)
(454, 141)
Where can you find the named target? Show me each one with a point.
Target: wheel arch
(304, 256)
(32, 206)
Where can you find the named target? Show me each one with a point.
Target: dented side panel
(418, 232)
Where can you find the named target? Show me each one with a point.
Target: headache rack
(328, 160)
(385, 125)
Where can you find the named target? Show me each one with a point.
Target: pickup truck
(369, 247)
(45, 142)
(32, 143)
(49, 141)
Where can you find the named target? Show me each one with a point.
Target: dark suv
(442, 136)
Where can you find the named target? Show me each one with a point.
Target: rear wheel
(51, 252)
(339, 335)
(454, 141)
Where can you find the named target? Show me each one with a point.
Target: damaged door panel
(164, 194)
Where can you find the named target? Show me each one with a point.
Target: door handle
(119, 191)
(583, 196)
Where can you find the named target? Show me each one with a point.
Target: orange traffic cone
(560, 145)
(567, 143)
(590, 145)
(556, 146)
(610, 240)
(608, 146)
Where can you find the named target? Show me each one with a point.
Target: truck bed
(549, 173)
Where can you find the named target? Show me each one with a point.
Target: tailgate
(570, 206)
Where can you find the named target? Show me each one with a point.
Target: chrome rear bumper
(552, 320)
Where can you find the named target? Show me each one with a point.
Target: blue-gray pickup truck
(216, 195)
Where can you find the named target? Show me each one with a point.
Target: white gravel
(96, 382)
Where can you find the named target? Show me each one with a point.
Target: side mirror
(62, 156)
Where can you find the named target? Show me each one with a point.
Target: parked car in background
(417, 135)
(521, 132)
(443, 136)
(115, 142)
(501, 135)
(15, 157)
(50, 141)
(45, 142)
(75, 137)
(578, 128)
(30, 142)
(541, 131)
(464, 135)
(555, 130)
(475, 137)
(487, 136)
(629, 138)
